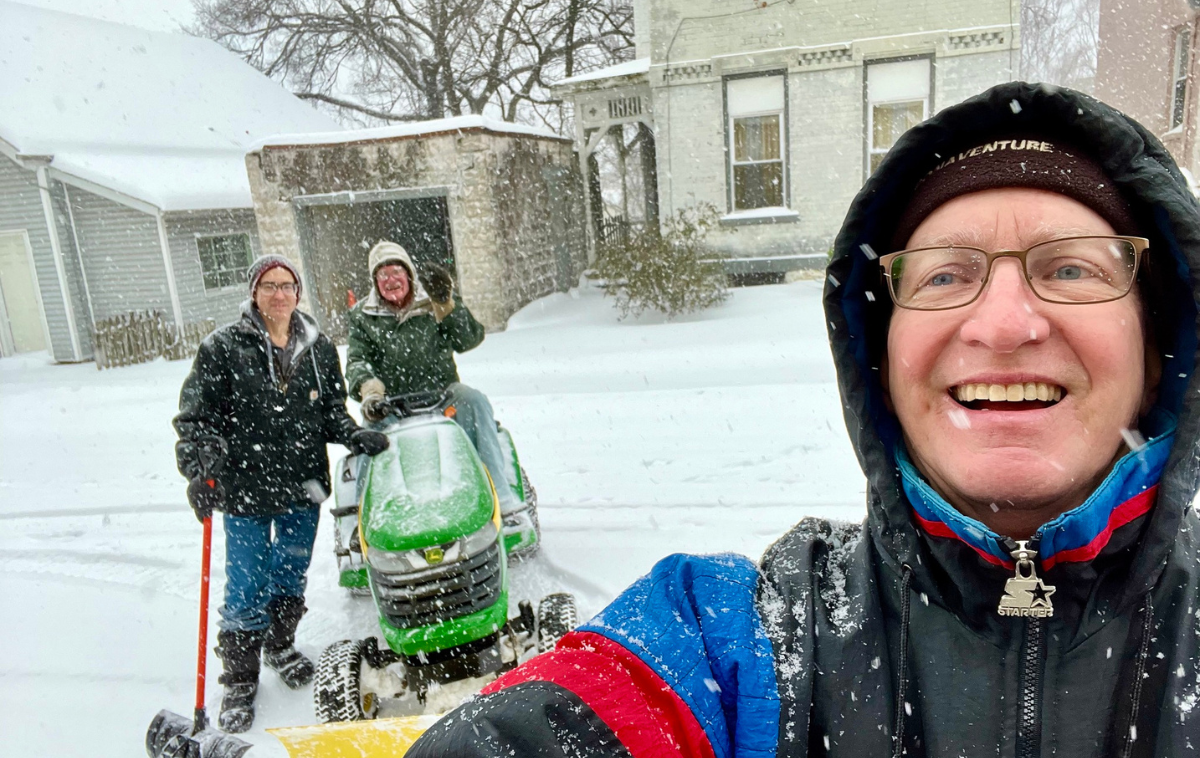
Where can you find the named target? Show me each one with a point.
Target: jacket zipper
(1033, 648)
(1033, 663)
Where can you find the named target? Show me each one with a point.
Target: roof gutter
(43, 183)
(163, 243)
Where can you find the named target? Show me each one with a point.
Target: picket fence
(141, 336)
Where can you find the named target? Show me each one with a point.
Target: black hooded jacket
(276, 419)
(883, 639)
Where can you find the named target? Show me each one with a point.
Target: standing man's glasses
(271, 288)
(1072, 270)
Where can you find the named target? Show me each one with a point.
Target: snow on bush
(668, 270)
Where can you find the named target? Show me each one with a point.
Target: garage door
(20, 316)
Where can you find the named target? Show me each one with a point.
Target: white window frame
(239, 274)
(870, 149)
(731, 156)
(1180, 60)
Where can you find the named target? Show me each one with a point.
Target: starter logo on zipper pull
(1026, 594)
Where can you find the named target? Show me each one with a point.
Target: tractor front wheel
(556, 616)
(337, 690)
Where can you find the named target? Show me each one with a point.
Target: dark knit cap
(1016, 162)
(267, 262)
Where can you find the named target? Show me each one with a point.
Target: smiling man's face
(1071, 377)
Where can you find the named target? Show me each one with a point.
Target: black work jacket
(276, 430)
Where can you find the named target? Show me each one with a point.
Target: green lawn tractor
(419, 527)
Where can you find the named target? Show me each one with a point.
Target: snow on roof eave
(639, 68)
(410, 130)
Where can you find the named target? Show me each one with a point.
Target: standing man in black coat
(269, 387)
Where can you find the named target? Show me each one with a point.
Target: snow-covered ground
(643, 438)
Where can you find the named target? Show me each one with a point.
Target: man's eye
(941, 280)
(1068, 272)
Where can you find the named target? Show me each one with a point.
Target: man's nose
(1007, 314)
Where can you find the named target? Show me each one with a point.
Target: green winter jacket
(407, 351)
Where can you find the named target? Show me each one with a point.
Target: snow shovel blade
(354, 739)
(170, 736)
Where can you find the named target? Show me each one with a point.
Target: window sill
(755, 216)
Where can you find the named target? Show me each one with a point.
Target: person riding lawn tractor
(403, 338)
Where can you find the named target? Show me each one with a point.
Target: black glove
(368, 442)
(205, 496)
(438, 283)
(375, 408)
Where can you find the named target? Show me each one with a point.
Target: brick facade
(823, 49)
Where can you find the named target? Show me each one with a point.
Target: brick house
(1147, 67)
(775, 113)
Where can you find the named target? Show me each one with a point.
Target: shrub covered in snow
(668, 270)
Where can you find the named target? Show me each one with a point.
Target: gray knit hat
(267, 262)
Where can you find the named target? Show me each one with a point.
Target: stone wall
(499, 189)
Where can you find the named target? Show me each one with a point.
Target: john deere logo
(434, 555)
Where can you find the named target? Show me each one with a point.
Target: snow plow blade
(378, 738)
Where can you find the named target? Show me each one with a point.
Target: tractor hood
(428, 488)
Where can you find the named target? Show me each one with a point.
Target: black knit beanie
(1016, 162)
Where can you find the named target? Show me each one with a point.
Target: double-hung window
(757, 131)
(224, 259)
(897, 100)
(1179, 76)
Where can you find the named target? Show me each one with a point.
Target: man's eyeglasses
(1072, 270)
(271, 288)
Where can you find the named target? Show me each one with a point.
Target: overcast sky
(160, 15)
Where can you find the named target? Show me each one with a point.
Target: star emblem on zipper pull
(1025, 594)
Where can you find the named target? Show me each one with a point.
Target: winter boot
(239, 651)
(279, 651)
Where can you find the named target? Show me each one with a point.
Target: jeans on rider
(265, 557)
(473, 412)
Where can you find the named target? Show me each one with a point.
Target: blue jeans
(473, 412)
(259, 566)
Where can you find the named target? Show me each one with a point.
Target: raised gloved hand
(205, 496)
(374, 403)
(438, 283)
(368, 442)
(440, 286)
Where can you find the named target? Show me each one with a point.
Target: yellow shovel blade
(380, 738)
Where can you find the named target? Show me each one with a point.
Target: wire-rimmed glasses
(1071, 270)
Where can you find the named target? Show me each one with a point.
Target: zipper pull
(1025, 594)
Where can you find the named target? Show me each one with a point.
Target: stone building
(1147, 67)
(775, 113)
(122, 176)
(498, 203)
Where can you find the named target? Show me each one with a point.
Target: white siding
(21, 208)
(182, 228)
(122, 256)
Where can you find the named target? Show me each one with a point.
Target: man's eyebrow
(1035, 236)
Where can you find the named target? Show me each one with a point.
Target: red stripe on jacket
(1133, 508)
(938, 529)
(645, 714)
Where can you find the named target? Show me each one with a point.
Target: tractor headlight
(409, 561)
(477, 542)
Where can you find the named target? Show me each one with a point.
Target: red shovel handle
(202, 654)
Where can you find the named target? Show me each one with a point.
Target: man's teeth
(1012, 393)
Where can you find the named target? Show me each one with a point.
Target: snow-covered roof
(628, 68)
(400, 131)
(163, 118)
